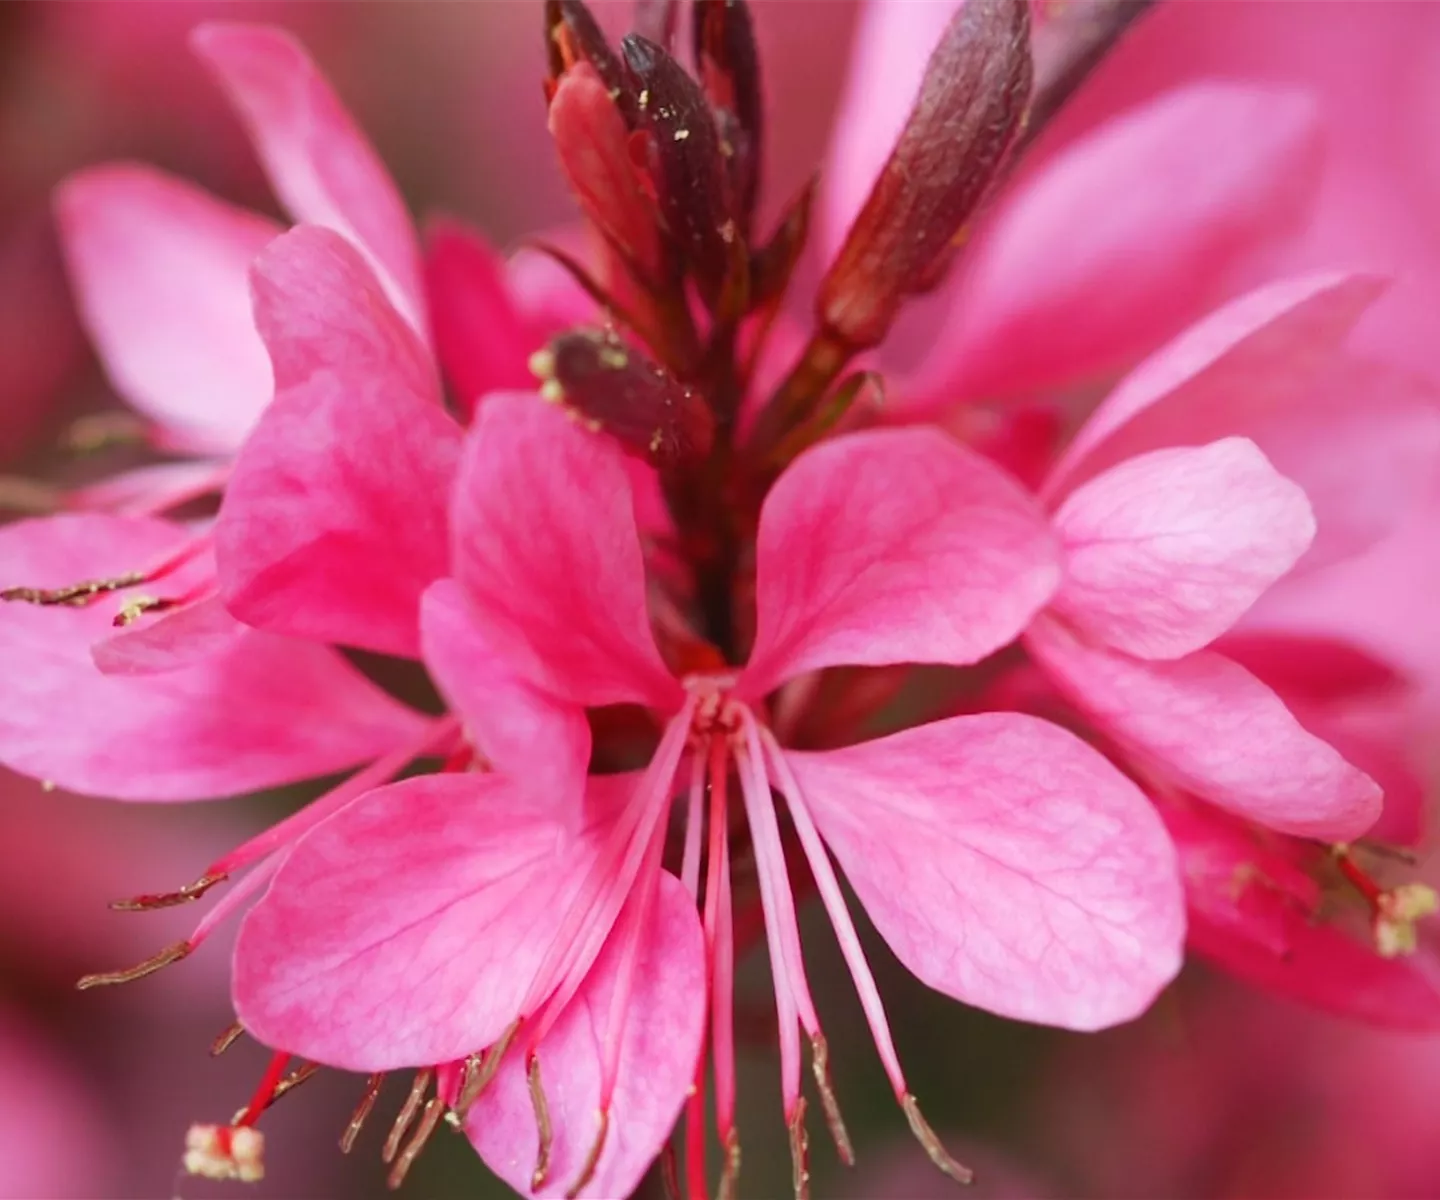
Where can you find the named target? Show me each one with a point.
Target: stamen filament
(542, 1124)
(185, 895)
(719, 936)
(429, 1120)
(694, 819)
(226, 1039)
(592, 1159)
(408, 1113)
(799, 1151)
(171, 954)
(474, 1083)
(362, 1112)
(264, 1090)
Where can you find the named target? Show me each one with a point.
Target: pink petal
(264, 712)
(335, 519)
(405, 930)
(318, 306)
(152, 489)
(1364, 443)
(158, 268)
(171, 641)
(546, 545)
(1124, 236)
(1166, 551)
(894, 546)
(1006, 864)
(892, 43)
(319, 162)
(483, 343)
(1212, 728)
(1256, 355)
(661, 1044)
(517, 729)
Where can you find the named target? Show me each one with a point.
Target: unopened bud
(683, 154)
(225, 1152)
(573, 37)
(971, 104)
(616, 389)
(594, 148)
(728, 61)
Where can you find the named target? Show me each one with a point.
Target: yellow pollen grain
(614, 358)
(681, 134)
(542, 363)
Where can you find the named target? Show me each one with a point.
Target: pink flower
(414, 927)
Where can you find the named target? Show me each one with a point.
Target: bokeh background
(1218, 1092)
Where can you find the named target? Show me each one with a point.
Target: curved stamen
(542, 1124)
(362, 1112)
(408, 1111)
(694, 819)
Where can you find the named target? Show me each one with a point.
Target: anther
(293, 1080)
(171, 954)
(931, 1143)
(473, 1083)
(362, 1111)
(190, 892)
(225, 1153)
(1396, 912)
(423, 1131)
(592, 1160)
(226, 1039)
(74, 595)
(407, 1115)
(799, 1152)
(820, 1063)
(730, 1171)
(542, 1124)
(134, 609)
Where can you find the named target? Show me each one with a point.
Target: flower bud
(614, 388)
(971, 104)
(572, 37)
(728, 61)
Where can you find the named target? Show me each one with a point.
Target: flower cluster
(670, 564)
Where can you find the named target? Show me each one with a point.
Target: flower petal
(1255, 355)
(483, 342)
(894, 546)
(404, 931)
(661, 1044)
(318, 306)
(1215, 730)
(519, 730)
(320, 164)
(334, 521)
(171, 641)
(1007, 864)
(546, 545)
(263, 712)
(1123, 237)
(1166, 551)
(158, 268)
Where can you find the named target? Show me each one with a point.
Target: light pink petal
(660, 1046)
(1124, 236)
(319, 162)
(152, 489)
(894, 546)
(546, 545)
(319, 306)
(483, 342)
(1166, 551)
(1213, 729)
(892, 44)
(1006, 864)
(158, 268)
(1364, 443)
(334, 521)
(405, 930)
(1256, 355)
(516, 728)
(171, 640)
(263, 712)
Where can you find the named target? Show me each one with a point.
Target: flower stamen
(185, 895)
(171, 954)
(408, 1112)
(362, 1112)
(542, 1124)
(799, 1151)
(592, 1159)
(429, 1121)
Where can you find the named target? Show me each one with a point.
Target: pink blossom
(883, 547)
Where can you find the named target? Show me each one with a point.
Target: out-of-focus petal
(546, 546)
(170, 641)
(1254, 356)
(335, 521)
(319, 162)
(1212, 728)
(894, 546)
(263, 712)
(1121, 238)
(1007, 864)
(1166, 551)
(664, 1020)
(158, 267)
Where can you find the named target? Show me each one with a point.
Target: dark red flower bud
(595, 153)
(572, 37)
(612, 387)
(689, 173)
(728, 61)
(971, 104)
